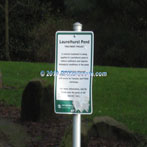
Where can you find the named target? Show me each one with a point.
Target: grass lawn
(122, 94)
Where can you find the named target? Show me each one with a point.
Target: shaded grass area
(15, 77)
(122, 94)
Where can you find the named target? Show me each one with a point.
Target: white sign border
(92, 62)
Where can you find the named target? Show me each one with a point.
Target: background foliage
(120, 29)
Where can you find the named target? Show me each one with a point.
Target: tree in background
(26, 16)
(6, 13)
(7, 10)
(120, 29)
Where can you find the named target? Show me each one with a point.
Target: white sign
(74, 65)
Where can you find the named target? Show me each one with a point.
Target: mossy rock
(109, 128)
(47, 103)
(37, 101)
(13, 135)
(106, 128)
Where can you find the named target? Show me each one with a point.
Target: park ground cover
(122, 94)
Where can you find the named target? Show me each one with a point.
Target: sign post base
(77, 130)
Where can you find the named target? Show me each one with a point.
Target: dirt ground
(43, 134)
(50, 133)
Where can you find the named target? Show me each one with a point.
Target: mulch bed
(101, 142)
(43, 134)
(50, 132)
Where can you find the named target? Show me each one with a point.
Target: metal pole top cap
(77, 26)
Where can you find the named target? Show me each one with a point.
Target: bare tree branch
(1, 6)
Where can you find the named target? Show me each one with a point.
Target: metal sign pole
(77, 117)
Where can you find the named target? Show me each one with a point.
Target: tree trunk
(1, 83)
(7, 30)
